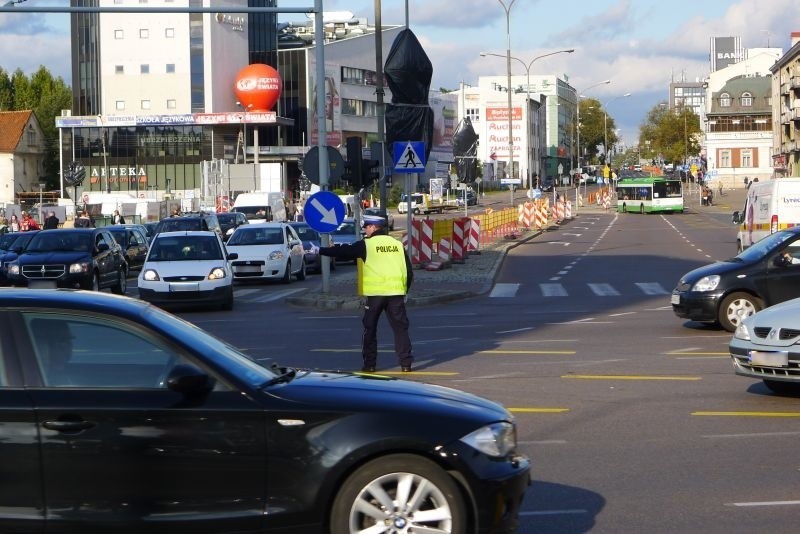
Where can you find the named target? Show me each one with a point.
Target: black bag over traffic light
(355, 163)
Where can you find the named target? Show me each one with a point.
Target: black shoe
(367, 369)
(406, 368)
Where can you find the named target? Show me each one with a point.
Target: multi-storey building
(785, 94)
(738, 137)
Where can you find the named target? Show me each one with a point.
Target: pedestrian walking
(117, 218)
(28, 222)
(51, 221)
(13, 224)
(83, 220)
(384, 277)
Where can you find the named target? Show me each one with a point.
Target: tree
(46, 97)
(673, 134)
(593, 120)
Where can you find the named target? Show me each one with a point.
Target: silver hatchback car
(766, 346)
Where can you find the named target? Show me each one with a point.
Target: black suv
(79, 258)
(190, 222)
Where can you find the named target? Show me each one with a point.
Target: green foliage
(595, 128)
(674, 134)
(46, 97)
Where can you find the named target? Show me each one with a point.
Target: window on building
(747, 157)
(144, 68)
(725, 100)
(169, 33)
(144, 33)
(145, 104)
(31, 136)
(120, 105)
(170, 68)
(724, 158)
(171, 104)
(119, 69)
(119, 34)
(747, 99)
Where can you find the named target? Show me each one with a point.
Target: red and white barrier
(426, 241)
(460, 230)
(568, 210)
(444, 249)
(474, 235)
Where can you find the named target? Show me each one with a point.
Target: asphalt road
(633, 418)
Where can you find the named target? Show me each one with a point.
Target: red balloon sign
(258, 87)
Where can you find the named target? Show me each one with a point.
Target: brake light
(773, 224)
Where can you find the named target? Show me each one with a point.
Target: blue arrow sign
(324, 211)
(409, 156)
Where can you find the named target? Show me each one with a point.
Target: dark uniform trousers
(396, 314)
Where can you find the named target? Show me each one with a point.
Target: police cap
(373, 219)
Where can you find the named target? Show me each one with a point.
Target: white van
(770, 206)
(261, 206)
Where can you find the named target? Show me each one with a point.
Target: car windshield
(185, 248)
(346, 228)
(216, 350)
(60, 241)
(764, 247)
(306, 233)
(256, 236)
(181, 225)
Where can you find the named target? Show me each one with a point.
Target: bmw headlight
(77, 268)
(707, 283)
(496, 439)
(216, 273)
(742, 332)
(275, 255)
(151, 276)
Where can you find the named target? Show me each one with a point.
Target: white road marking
(652, 288)
(270, 297)
(515, 330)
(604, 290)
(553, 290)
(504, 290)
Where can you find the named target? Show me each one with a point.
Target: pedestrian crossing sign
(409, 156)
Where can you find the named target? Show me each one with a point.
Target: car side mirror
(189, 380)
(233, 256)
(736, 218)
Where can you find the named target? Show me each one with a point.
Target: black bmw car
(726, 292)
(119, 417)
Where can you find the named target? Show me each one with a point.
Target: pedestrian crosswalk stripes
(597, 289)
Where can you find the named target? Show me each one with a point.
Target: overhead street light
(507, 9)
(527, 67)
(605, 125)
(578, 119)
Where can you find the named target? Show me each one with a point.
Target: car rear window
(181, 225)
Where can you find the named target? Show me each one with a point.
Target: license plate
(769, 359)
(184, 287)
(248, 269)
(675, 299)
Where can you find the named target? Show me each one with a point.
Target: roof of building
(12, 125)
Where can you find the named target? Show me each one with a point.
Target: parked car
(728, 291)
(230, 221)
(11, 246)
(192, 222)
(766, 346)
(187, 269)
(267, 251)
(472, 200)
(311, 243)
(176, 431)
(379, 212)
(78, 258)
(134, 243)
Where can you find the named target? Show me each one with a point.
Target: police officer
(384, 276)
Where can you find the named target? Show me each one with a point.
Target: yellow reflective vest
(383, 273)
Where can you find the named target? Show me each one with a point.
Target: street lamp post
(605, 125)
(527, 67)
(578, 119)
(510, 171)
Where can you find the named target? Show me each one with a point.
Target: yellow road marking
(538, 410)
(347, 350)
(416, 373)
(631, 377)
(748, 414)
(526, 352)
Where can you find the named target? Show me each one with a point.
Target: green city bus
(652, 194)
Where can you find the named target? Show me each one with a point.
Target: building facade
(738, 118)
(22, 151)
(785, 92)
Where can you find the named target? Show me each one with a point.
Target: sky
(640, 45)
